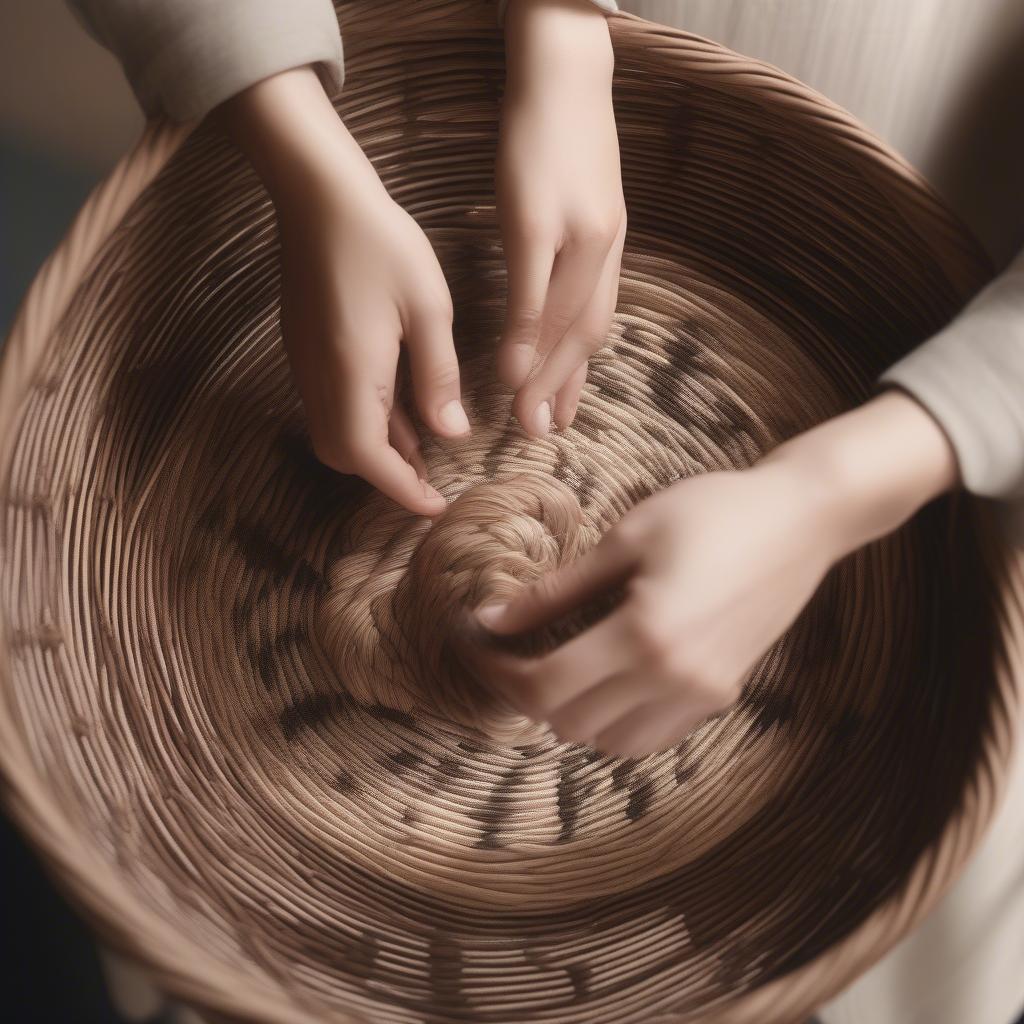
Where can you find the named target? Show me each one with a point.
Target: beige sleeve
(606, 5)
(183, 57)
(970, 377)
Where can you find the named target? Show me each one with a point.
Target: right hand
(712, 570)
(358, 280)
(560, 204)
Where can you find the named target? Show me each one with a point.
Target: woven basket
(231, 722)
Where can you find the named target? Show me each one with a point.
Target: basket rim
(176, 964)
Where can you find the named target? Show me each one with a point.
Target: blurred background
(66, 115)
(948, 100)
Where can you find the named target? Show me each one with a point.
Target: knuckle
(587, 233)
(647, 635)
(725, 695)
(442, 376)
(706, 684)
(667, 650)
(595, 228)
(668, 659)
(523, 321)
(429, 300)
(433, 310)
(440, 307)
(699, 678)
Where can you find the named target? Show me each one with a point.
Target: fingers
(404, 439)
(649, 727)
(540, 686)
(562, 363)
(592, 691)
(537, 403)
(610, 689)
(574, 279)
(568, 398)
(672, 729)
(530, 259)
(362, 444)
(548, 289)
(352, 422)
(587, 716)
(563, 590)
(435, 371)
(386, 470)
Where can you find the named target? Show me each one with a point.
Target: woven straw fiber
(232, 720)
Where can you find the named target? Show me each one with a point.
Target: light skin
(715, 568)
(560, 203)
(360, 282)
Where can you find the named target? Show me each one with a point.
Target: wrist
(866, 472)
(557, 44)
(288, 129)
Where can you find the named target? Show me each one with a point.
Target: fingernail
(542, 418)
(453, 417)
(490, 614)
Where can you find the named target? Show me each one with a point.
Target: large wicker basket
(230, 722)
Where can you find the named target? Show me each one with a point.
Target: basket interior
(210, 661)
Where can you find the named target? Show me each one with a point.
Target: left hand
(715, 568)
(359, 281)
(560, 204)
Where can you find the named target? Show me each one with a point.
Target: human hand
(359, 279)
(560, 204)
(715, 568)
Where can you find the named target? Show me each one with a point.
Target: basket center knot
(399, 608)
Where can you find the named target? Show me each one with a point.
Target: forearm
(866, 472)
(970, 376)
(289, 130)
(561, 44)
(952, 415)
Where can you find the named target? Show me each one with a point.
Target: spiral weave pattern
(234, 719)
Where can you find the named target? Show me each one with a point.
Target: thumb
(559, 592)
(529, 272)
(435, 374)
